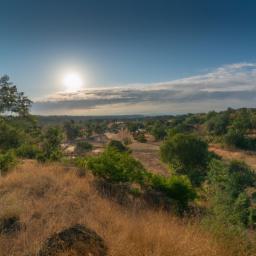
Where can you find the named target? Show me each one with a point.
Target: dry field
(49, 198)
(235, 154)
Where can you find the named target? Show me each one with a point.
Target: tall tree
(11, 100)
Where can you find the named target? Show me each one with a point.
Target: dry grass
(235, 154)
(50, 198)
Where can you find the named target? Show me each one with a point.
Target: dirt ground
(147, 153)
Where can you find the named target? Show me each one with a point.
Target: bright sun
(72, 82)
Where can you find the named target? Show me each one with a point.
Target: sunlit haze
(72, 82)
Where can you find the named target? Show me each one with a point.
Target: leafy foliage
(28, 151)
(177, 188)
(229, 202)
(10, 137)
(7, 161)
(117, 145)
(158, 131)
(83, 147)
(11, 100)
(187, 154)
(115, 166)
(51, 146)
(140, 137)
(72, 130)
(119, 167)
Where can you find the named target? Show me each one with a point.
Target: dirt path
(147, 153)
(232, 154)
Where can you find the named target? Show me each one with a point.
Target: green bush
(118, 145)
(235, 138)
(218, 124)
(241, 177)
(176, 188)
(140, 137)
(83, 147)
(188, 155)
(51, 146)
(72, 130)
(10, 137)
(228, 200)
(29, 151)
(120, 167)
(127, 141)
(7, 161)
(114, 166)
(158, 131)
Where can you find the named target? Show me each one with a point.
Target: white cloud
(227, 86)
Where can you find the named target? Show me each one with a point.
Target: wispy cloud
(227, 86)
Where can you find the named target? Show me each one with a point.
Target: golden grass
(248, 157)
(50, 198)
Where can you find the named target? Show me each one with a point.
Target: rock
(77, 239)
(10, 225)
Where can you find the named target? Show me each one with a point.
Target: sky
(131, 56)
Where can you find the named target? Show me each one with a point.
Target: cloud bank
(227, 86)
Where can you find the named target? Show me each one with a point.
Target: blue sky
(127, 44)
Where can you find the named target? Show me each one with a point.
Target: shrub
(127, 141)
(83, 147)
(117, 145)
(158, 131)
(120, 167)
(218, 124)
(242, 176)
(115, 166)
(29, 151)
(229, 203)
(188, 155)
(176, 188)
(10, 137)
(7, 161)
(51, 149)
(72, 130)
(140, 137)
(235, 138)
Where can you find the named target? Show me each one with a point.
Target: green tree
(229, 203)
(11, 100)
(72, 130)
(7, 161)
(118, 145)
(188, 155)
(83, 147)
(177, 188)
(158, 131)
(235, 138)
(114, 166)
(10, 136)
(51, 147)
(218, 123)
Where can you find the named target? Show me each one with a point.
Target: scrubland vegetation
(86, 172)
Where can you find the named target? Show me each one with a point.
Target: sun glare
(73, 82)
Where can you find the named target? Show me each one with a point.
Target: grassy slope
(49, 198)
(248, 157)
